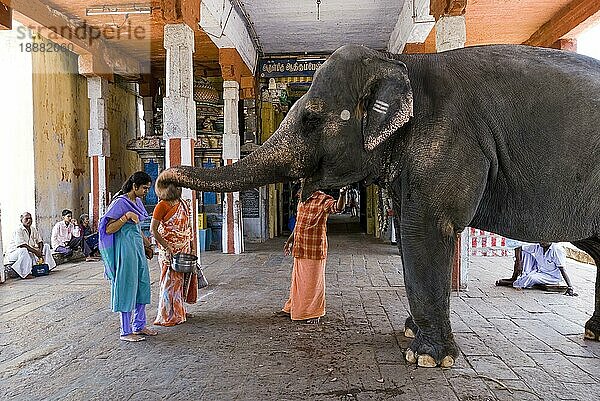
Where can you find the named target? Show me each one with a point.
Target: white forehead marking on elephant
(381, 107)
(345, 115)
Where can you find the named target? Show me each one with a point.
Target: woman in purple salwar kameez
(124, 250)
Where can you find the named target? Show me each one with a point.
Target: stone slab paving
(59, 341)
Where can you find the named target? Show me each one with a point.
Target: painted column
(179, 109)
(98, 146)
(147, 103)
(232, 233)
(451, 33)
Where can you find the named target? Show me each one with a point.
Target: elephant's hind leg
(592, 247)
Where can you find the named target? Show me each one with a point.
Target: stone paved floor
(59, 341)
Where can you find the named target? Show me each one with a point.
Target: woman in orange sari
(171, 228)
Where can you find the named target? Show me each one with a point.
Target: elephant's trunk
(274, 161)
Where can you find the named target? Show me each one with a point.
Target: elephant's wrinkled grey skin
(503, 138)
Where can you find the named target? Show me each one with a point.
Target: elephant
(504, 138)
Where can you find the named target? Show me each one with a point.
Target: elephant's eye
(311, 119)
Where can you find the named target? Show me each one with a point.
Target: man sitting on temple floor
(27, 249)
(67, 237)
(539, 264)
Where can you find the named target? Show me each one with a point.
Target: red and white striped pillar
(98, 146)
(180, 152)
(460, 264)
(451, 33)
(179, 109)
(232, 237)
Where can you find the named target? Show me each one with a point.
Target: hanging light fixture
(318, 9)
(118, 10)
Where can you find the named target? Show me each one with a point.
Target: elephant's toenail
(447, 362)
(426, 361)
(408, 333)
(410, 356)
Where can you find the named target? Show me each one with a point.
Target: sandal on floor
(281, 313)
(133, 338)
(146, 332)
(315, 320)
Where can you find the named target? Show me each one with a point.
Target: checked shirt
(310, 232)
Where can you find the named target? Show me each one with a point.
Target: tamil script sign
(289, 67)
(250, 203)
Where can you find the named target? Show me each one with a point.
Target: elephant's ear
(387, 103)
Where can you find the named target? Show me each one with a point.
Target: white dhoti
(23, 260)
(539, 269)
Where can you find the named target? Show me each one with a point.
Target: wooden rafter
(569, 21)
(448, 8)
(5, 16)
(180, 11)
(96, 56)
(233, 68)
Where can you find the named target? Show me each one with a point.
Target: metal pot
(184, 263)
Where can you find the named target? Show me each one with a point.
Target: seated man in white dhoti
(516, 246)
(27, 248)
(543, 263)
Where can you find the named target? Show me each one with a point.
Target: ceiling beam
(428, 46)
(565, 44)
(232, 65)
(5, 16)
(233, 68)
(181, 11)
(447, 8)
(227, 29)
(96, 55)
(413, 25)
(568, 21)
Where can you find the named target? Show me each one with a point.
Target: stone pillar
(147, 104)
(450, 33)
(232, 233)
(98, 146)
(179, 109)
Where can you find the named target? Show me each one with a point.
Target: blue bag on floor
(40, 270)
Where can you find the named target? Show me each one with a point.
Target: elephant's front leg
(428, 249)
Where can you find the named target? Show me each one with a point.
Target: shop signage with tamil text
(289, 67)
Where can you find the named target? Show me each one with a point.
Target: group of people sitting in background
(70, 235)
(27, 248)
